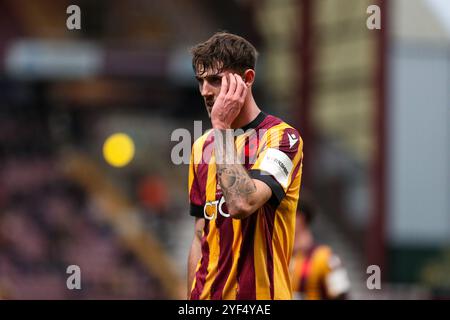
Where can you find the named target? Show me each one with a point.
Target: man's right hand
(229, 102)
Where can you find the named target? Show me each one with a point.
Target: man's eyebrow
(216, 75)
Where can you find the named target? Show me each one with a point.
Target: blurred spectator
(318, 273)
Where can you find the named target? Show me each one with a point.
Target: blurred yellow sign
(118, 149)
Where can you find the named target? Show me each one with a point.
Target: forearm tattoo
(233, 178)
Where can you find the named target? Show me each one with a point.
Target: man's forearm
(233, 178)
(194, 256)
(195, 253)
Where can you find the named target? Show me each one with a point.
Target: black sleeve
(196, 211)
(277, 190)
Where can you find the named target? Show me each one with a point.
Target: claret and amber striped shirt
(248, 258)
(318, 274)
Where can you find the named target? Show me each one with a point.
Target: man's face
(209, 84)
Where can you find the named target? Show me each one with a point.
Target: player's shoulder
(329, 257)
(276, 124)
(323, 249)
(321, 253)
(271, 121)
(282, 135)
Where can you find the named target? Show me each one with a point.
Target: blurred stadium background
(373, 108)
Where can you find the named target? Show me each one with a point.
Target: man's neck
(248, 113)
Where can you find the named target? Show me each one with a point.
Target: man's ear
(249, 77)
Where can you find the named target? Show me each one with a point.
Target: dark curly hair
(224, 51)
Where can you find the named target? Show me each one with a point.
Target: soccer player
(317, 272)
(243, 184)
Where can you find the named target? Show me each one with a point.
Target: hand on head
(230, 101)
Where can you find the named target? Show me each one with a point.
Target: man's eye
(216, 80)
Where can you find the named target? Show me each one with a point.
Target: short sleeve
(277, 163)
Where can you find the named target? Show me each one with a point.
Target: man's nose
(206, 89)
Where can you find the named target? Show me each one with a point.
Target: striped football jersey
(248, 258)
(318, 274)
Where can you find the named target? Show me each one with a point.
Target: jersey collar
(256, 122)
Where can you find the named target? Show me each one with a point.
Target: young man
(317, 272)
(243, 184)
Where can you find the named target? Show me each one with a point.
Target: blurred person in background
(242, 246)
(318, 273)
